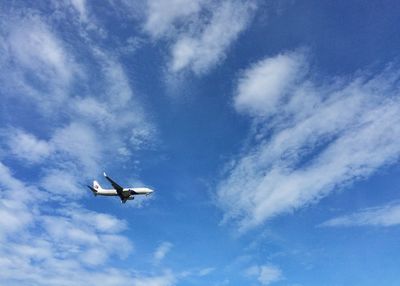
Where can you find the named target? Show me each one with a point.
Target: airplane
(124, 194)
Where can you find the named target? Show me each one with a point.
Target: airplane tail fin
(96, 186)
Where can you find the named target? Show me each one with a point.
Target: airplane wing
(117, 187)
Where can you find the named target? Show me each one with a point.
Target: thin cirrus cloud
(200, 32)
(162, 16)
(34, 62)
(80, 7)
(161, 251)
(309, 138)
(265, 274)
(381, 216)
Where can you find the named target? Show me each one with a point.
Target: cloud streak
(381, 216)
(308, 138)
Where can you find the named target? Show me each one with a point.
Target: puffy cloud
(264, 85)
(312, 140)
(386, 215)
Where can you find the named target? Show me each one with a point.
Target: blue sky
(269, 130)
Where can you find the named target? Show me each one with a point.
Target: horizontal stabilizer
(93, 190)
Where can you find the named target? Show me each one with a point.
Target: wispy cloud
(266, 274)
(34, 62)
(46, 237)
(200, 32)
(166, 279)
(386, 215)
(163, 16)
(161, 251)
(308, 137)
(26, 146)
(40, 73)
(199, 52)
(80, 7)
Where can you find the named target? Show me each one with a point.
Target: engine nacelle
(131, 197)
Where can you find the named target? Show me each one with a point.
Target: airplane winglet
(104, 173)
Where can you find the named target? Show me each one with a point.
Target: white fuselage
(134, 191)
(123, 193)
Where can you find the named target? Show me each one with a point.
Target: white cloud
(166, 279)
(58, 248)
(26, 146)
(34, 62)
(200, 32)
(39, 67)
(118, 109)
(163, 15)
(14, 216)
(386, 215)
(266, 274)
(43, 75)
(264, 85)
(35, 47)
(200, 51)
(316, 139)
(161, 251)
(62, 183)
(80, 143)
(83, 239)
(80, 6)
(206, 271)
(48, 239)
